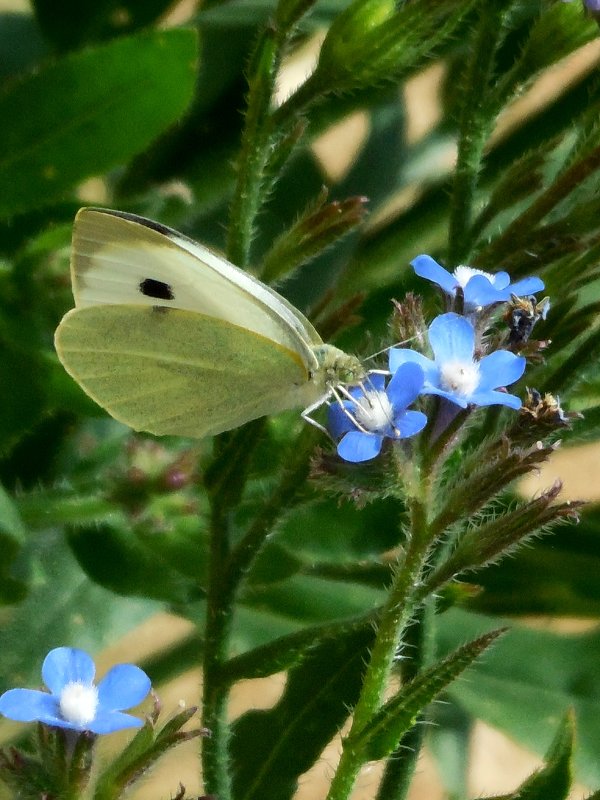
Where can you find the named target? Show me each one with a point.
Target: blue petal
(374, 381)
(479, 292)
(338, 422)
(526, 286)
(123, 686)
(500, 368)
(405, 385)
(28, 705)
(501, 280)
(410, 423)
(401, 355)
(491, 398)
(65, 665)
(110, 721)
(460, 401)
(426, 267)
(452, 338)
(358, 446)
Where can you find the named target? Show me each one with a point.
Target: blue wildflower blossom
(74, 702)
(454, 373)
(480, 288)
(376, 413)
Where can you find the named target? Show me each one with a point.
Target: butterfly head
(337, 367)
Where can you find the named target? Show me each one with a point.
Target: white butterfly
(171, 338)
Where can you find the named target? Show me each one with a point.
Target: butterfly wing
(122, 259)
(171, 371)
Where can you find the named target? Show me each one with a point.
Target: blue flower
(376, 413)
(74, 702)
(455, 373)
(480, 288)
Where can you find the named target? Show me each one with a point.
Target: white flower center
(373, 411)
(464, 274)
(459, 377)
(78, 703)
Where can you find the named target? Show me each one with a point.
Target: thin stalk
(438, 442)
(418, 655)
(475, 125)
(395, 617)
(256, 145)
(227, 569)
(298, 102)
(219, 613)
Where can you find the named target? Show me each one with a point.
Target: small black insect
(521, 315)
(157, 289)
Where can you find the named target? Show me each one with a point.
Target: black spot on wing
(157, 289)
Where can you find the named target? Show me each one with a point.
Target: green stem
(298, 102)
(255, 148)
(227, 569)
(395, 617)
(475, 125)
(400, 767)
(219, 611)
(225, 477)
(436, 446)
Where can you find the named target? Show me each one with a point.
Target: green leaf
(89, 112)
(553, 781)
(68, 23)
(271, 749)
(308, 599)
(340, 533)
(563, 25)
(286, 651)
(556, 576)
(147, 746)
(119, 559)
(528, 681)
(380, 737)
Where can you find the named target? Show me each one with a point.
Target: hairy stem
(400, 767)
(396, 615)
(227, 570)
(475, 124)
(219, 612)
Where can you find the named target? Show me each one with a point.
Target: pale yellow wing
(169, 371)
(122, 259)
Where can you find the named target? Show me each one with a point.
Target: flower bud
(352, 38)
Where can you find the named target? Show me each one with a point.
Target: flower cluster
(457, 373)
(74, 701)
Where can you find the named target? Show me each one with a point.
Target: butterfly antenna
(389, 347)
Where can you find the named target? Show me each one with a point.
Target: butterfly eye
(158, 289)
